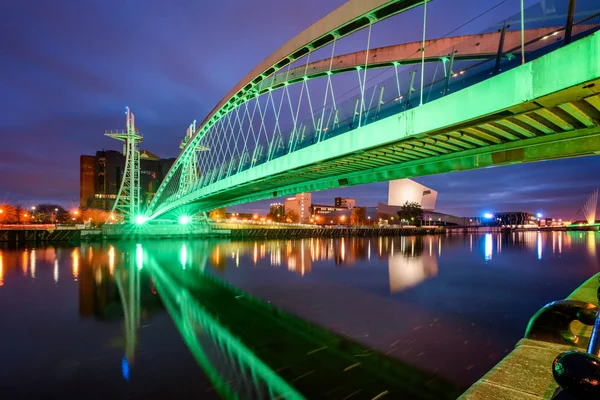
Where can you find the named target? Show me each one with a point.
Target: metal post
(335, 120)
(364, 82)
(380, 101)
(423, 50)
(500, 48)
(449, 74)
(356, 103)
(410, 89)
(569, 26)
(522, 32)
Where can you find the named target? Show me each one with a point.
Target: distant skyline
(67, 72)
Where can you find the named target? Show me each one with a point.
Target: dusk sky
(68, 68)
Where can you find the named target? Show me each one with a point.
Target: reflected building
(299, 257)
(98, 290)
(411, 265)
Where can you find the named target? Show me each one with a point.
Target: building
(345, 202)
(101, 175)
(402, 190)
(515, 218)
(323, 210)
(300, 204)
(277, 210)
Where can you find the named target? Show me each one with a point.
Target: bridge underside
(546, 109)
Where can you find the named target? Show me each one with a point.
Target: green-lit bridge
(313, 117)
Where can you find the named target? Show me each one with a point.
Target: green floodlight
(184, 220)
(140, 219)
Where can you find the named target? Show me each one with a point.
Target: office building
(277, 210)
(345, 202)
(101, 175)
(300, 204)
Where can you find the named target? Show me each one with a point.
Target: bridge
(313, 117)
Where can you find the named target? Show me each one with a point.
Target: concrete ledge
(526, 373)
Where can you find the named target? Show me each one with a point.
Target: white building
(300, 204)
(402, 190)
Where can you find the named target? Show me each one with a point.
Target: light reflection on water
(456, 312)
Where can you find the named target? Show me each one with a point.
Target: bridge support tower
(128, 198)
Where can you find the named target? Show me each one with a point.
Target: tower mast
(128, 196)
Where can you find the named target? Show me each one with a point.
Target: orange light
(1, 211)
(76, 212)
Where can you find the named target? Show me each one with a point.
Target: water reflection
(301, 256)
(32, 263)
(361, 280)
(75, 263)
(411, 266)
(489, 246)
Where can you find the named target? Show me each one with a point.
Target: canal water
(98, 320)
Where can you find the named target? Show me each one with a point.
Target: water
(453, 305)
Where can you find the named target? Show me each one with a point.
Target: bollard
(578, 373)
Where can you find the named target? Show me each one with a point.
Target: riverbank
(527, 371)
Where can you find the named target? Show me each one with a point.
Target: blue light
(539, 215)
(125, 369)
(488, 216)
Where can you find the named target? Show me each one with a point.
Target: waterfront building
(277, 210)
(516, 218)
(345, 202)
(101, 175)
(402, 190)
(300, 204)
(329, 215)
(321, 209)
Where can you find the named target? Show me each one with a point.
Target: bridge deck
(526, 373)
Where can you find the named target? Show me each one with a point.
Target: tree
(94, 216)
(50, 213)
(358, 216)
(217, 214)
(412, 213)
(275, 217)
(22, 215)
(291, 217)
(8, 214)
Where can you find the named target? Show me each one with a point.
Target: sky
(68, 69)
